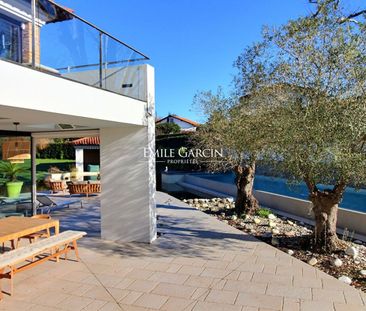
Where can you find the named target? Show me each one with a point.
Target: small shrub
(54, 170)
(263, 212)
(167, 128)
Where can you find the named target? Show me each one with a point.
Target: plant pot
(13, 188)
(56, 176)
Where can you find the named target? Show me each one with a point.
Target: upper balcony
(45, 36)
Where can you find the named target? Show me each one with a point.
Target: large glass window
(15, 175)
(10, 41)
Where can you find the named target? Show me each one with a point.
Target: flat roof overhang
(38, 101)
(35, 121)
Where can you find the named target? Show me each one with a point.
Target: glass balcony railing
(52, 39)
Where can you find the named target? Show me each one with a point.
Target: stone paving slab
(199, 263)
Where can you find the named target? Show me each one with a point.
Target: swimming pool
(353, 199)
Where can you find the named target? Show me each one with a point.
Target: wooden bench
(19, 259)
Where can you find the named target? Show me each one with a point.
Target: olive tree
(317, 100)
(235, 125)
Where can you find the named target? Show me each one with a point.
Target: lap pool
(353, 199)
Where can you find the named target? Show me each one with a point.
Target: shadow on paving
(185, 232)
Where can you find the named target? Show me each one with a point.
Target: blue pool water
(353, 199)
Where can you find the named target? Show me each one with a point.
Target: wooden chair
(57, 186)
(37, 235)
(41, 234)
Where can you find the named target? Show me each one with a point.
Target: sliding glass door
(15, 175)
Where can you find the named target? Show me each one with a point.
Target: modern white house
(185, 124)
(61, 76)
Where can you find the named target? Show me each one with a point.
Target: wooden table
(13, 228)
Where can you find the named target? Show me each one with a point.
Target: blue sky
(192, 43)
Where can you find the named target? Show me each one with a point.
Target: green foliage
(60, 150)
(307, 81)
(263, 212)
(44, 165)
(317, 96)
(299, 106)
(167, 128)
(11, 170)
(175, 142)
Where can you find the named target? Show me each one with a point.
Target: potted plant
(55, 173)
(74, 173)
(11, 171)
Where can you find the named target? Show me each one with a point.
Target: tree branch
(351, 16)
(342, 20)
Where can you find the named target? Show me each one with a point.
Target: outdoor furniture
(49, 204)
(53, 247)
(13, 228)
(57, 186)
(41, 234)
(84, 188)
(9, 214)
(93, 169)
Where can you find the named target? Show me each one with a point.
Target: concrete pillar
(128, 208)
(79, 162)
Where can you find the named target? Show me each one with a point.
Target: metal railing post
(100, 59)
(33, 33)
(34, 175)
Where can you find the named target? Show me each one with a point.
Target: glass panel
(62, 44)
(9, 39)
(66, 46)
(15, 176)
(122, 71)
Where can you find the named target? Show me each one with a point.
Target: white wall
(79, 159)
(127, 127)
(114, 78)
(23, 87)
(183, 125)
(126, 208)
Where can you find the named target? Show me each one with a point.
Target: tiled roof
(87, 141)
(179, 118)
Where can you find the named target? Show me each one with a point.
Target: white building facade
(63, 77)
(185, 124)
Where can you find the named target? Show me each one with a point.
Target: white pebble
(345, 279)
(352, 251)
(290, 252)
(272, 217)
(337, 262)
(313, 261)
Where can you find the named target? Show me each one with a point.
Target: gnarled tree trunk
(245, 202)
(325, 208)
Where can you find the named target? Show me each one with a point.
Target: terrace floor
(198, 263)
